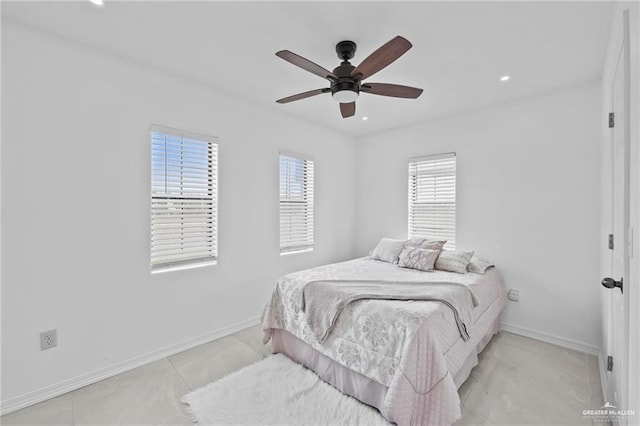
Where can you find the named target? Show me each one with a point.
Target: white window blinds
(432, 197)
(296, 203)
(184, 172)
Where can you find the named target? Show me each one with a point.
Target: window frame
(413, 190)
(309, 191)
(212, 173)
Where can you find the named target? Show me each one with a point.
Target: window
(432, 197)
(296, 203)
(184, 195)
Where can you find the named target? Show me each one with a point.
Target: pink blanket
(422, 392)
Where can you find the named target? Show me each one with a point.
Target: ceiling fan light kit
(345, 95)
(346, 80)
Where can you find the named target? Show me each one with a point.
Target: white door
(617, 330)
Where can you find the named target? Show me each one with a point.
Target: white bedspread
(401, 344)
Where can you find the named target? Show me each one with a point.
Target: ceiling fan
(346, 80)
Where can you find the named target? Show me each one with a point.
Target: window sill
(170, 268)
(287, 253)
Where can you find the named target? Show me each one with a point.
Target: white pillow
(479, 265)
(418, 258)
(454, 261)
(388, 250)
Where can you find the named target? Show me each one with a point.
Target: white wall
(75, 219)
(528, 182)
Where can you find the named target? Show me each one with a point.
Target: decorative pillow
(414, 242)
(479, 265)
(454, 261)
(425, 243)
(433, 245)
(418, 258)
(388, 250)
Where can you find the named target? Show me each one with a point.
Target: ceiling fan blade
(394, 90)
(306, 64)
(302, 95)
(382, 57)
(348, 110)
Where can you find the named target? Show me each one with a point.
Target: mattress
(405, 358)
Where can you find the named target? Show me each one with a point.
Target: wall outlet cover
(48, 339)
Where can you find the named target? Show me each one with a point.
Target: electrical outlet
(514, 295)
(48, 339)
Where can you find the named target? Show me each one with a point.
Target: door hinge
(610, 241)
(609, 363)
(611, 120)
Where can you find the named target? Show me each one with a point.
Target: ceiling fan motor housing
(344, 81)
(345, 50)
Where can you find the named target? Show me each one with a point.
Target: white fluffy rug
(276, 391)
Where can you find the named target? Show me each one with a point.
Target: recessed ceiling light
(365, 118)
(97, 2)
(505, 78)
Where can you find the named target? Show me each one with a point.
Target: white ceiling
(460, 49)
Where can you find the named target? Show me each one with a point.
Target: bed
(407, 358)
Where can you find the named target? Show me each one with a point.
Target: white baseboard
(47, 392)
(551, 338)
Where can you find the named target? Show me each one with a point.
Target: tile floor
(518, 381)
